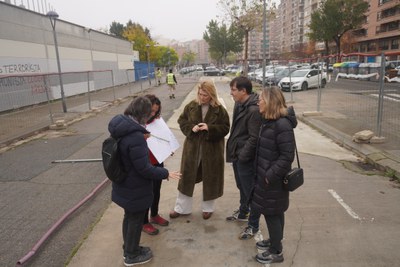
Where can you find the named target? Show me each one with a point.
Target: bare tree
(246, 15)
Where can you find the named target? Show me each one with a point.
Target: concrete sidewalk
(192, 241)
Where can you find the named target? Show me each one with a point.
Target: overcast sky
(181, 20)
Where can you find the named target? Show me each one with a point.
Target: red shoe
(150, 229)
(159, 220)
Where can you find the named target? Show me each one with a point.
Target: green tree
(164, 56)
(246, 15)
(337, 17)
(140, 39)
(222, 40)
(188, 58)
(117, 29)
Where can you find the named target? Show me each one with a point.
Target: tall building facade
(381, 31)
(291, 15)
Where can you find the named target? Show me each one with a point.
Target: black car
(213, 71)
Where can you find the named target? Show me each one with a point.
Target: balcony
(388, 13)
(360, 33)
(382, 2)
(388, 27)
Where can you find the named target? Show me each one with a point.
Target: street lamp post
(264, 42)
(52, 15)
(148, 63)
(169, 58)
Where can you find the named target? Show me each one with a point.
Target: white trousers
(184, 204)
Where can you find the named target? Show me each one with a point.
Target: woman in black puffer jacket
(135, 193)
(274, 156)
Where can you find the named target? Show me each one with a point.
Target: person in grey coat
(274, 157)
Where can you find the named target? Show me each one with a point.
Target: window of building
(371, 46)
(381, 2)
(395, 44)
(383, 45)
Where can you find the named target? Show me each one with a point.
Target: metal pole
(290, 84)
(53, 24)
(148, 63)
(264, 41)
(319, 85)
(88, 90)
(380, 100)
(112, 81)
(129, 83)
(48, 99)
(75, 160)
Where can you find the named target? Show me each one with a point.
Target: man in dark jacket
(241, 147)
(135, 193)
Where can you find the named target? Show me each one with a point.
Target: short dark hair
(139, 109)
(242, 83)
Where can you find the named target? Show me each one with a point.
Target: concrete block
(377, 140)
(60, 123)
(365, 135)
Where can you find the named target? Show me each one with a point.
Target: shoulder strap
(295, 149)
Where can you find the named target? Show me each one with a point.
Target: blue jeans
(245, 177)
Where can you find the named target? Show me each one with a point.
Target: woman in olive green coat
(205, 123)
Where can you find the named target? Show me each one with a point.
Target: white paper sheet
(162, 142)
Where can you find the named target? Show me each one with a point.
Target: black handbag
(295, 178)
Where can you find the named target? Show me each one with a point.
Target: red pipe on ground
(32, 252)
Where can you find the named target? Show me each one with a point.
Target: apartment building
(291, 35)
(381, 32)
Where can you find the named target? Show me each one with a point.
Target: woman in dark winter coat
(135, 193)
(204, 122)
(275, 154)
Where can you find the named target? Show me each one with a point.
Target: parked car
(270, 72)
(213, 71)
(232, 69)
(252, 75)
(274, 80)
(303, 79)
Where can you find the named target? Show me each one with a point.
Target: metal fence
(357, 99)
(41, 94)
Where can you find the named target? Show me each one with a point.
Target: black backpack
(112, 162)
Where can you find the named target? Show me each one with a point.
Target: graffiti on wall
(20, 68)
(34, 84)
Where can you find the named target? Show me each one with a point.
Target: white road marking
(386, 97)
(344, 205)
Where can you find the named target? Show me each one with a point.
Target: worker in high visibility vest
(159, 75)
(171, 81)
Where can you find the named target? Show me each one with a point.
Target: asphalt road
(35, 193)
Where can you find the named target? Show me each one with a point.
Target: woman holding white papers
(155, 218)
(205, 123)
